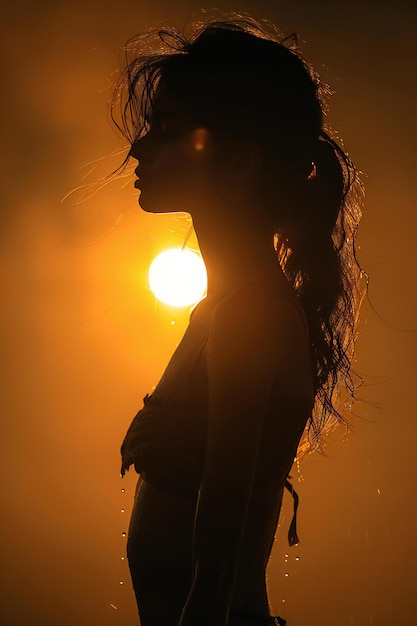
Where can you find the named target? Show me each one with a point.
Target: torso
(161, 529)
(161, 536)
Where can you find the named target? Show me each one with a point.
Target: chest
(184, 381)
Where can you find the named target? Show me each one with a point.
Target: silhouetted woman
(227, 125)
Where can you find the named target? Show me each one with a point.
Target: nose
(134, 150)
(140, 148)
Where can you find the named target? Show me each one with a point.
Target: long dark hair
(243, 78)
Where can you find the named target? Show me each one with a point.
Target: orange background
(83, 340)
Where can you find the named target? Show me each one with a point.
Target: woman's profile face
(174, 158)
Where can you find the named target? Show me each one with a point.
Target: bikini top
(166, 440)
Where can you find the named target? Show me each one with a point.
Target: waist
(186, 492)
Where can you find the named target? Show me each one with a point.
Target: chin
(151, 207)
(159, 205)
(148, 204)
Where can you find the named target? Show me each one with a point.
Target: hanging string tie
(292, 532)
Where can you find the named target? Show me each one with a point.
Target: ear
(246, 163)
(238, 171)
(237, 167)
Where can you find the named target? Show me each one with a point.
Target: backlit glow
(178, 277)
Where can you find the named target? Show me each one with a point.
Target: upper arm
(255, 341)
(250, 347)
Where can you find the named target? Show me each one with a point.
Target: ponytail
(317, 254)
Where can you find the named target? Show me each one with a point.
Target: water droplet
(123, 558)
(121, 582)
(286, 574)
(172, 322)
(122, 490)
(122, 510)
(378, 491)
(297, 558)
(283, 600)
(113, 607)
(286, 556)
(123, 534)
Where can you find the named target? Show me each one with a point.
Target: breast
(166, 439)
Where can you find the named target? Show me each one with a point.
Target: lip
(141, 178)
(141, 174)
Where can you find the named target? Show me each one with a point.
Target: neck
(236, 253)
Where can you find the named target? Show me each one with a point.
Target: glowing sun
(178, 277)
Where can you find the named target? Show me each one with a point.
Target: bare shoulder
(258, 346)
(256, 309)
(262, 327)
